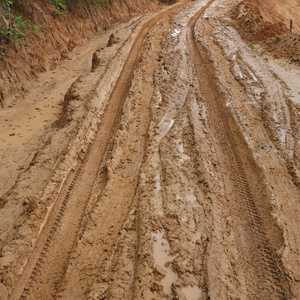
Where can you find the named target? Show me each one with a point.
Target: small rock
(26, 202)
(156, 287)
(95, 61)
(112, 40)
(159, 271)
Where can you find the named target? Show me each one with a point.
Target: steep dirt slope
(46, 34)
(268, 24)
(172, 173)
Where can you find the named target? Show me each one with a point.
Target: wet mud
(179, 177)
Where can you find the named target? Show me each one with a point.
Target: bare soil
(267, 24)
(162, 161)
(58, 33)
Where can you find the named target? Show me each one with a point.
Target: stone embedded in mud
(95, 61)
(156, 287)
(112, 40)
(159, 272)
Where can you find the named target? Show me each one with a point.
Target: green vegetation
(3, 56)
(63, 4)
(11, 25)
(17, 24)
(283, 65)
(280, 37)
(60, 5)
(255, 47)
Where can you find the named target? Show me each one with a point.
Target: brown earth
(168, 167)
(267, 23)
(60, 32)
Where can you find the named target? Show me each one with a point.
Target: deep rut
(45, 268)
(257, 235)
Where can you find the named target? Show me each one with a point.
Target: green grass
(3, 56)
(255, 47)
(60, 5)
(283, 65)
(280, 37)
(13, 28)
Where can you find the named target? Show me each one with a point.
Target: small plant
(255, 47)
(3, 54)
(13, 28)
(37, 28)
(280, 37)
(101, 2)
(60, 5)
(283, 65)
(9, 32)
(20, 23)
(20, 40)
(265, 6)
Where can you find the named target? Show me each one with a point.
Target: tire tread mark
(271, 279)
(127, 73)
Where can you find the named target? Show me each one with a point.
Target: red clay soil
(268, 24)
(60, 31)
(286, 46)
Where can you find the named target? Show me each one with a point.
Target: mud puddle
(163, 260)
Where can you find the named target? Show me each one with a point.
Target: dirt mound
(284, 46)
(254, 25)
(262, 23)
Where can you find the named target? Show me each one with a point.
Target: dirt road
(172, 172)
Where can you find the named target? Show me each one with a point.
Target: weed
(280, 37)
(9, 32)
(265, 6)
(13, 28)
(97, 3)
(37, 27)
(60, 5)
(3, 54)
(255, 47)
(283, 65)
(20, 40)
(20, 23)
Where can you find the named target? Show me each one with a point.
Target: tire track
(99, 260)
(46, 266)
(260, 236)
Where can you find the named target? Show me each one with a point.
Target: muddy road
(171, 171)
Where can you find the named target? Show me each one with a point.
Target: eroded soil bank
(36, 36)
(270, 27)
(171, 171)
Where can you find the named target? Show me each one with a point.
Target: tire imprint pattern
(270, 282)
(96, 152)
(37, 268)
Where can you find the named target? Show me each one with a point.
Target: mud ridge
(59, 224)
(261, 229)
